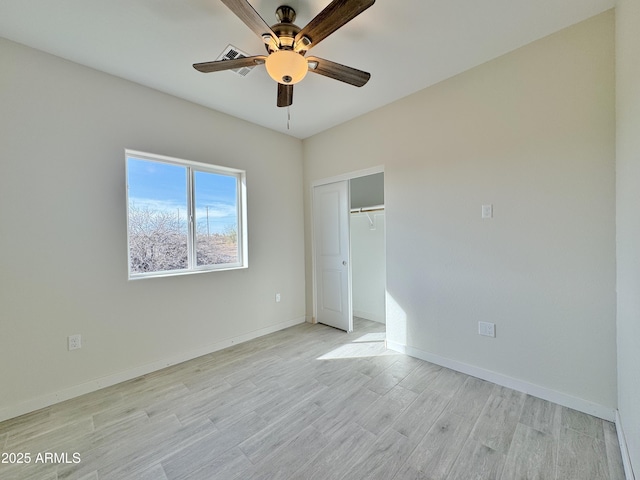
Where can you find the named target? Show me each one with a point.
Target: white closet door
(331, 240)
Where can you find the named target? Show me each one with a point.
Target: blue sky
(163, 187)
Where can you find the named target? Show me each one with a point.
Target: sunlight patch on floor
(359, 349)
(372, 337)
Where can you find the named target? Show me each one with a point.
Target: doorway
(368, 259)
(349, 250)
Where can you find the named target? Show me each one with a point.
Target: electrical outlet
(487, 329)
(277, 297)
(75, 341)
(487, 211)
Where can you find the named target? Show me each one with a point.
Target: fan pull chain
(288, 118)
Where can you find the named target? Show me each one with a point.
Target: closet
(367, 238)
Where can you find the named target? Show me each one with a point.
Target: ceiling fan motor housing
(285, 30)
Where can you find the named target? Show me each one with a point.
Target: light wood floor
(312, 403)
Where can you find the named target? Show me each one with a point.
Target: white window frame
(192, 167)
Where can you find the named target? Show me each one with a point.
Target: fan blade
(285, 95)
(219, 65)
(337, 71)
(334, 16)
(252, 19)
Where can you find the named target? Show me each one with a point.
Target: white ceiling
(405, 45)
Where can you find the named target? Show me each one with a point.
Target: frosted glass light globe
(286, 66)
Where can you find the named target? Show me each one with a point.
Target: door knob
(344, 262)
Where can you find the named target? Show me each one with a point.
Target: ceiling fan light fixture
(303, 44)
(286, 67)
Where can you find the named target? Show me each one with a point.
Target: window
(183, 217)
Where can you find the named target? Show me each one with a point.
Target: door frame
(324, 181)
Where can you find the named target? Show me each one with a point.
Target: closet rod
(373, 208)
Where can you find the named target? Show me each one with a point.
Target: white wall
(368, 272)
(63, 245)
(532, 133)
(628, 220)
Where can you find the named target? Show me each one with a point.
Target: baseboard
(93, 385)
(622, 440)
(554, 396)
(369, 316)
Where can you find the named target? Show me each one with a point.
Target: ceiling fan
(287, 45)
